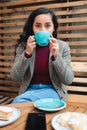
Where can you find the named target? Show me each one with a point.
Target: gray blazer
(60, 69)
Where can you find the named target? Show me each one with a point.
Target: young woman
(44, 70)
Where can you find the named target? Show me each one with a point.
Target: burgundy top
(41, 70)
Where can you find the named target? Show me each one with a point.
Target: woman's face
(43, 22)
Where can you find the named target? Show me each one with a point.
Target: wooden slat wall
(72, 17)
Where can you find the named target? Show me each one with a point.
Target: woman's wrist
(27, 55)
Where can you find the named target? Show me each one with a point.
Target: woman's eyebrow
(38, 23)
(41, 23)
(48, 23)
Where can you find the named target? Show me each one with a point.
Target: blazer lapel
(32, 62)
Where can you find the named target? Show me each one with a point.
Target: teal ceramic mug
(42, 38)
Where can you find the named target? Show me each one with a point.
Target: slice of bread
(5, 113)
(73, 121)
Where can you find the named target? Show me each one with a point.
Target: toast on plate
(5, 113)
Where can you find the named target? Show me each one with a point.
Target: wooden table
(26, 108)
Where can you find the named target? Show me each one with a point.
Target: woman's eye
(38, 26)
(48, 26)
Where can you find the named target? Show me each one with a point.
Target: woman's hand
(31, 44)
(54, 47)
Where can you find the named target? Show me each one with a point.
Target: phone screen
(36, 121)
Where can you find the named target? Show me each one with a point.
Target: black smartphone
(36, 121)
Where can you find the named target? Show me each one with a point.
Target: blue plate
(49, 104)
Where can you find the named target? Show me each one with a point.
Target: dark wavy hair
(28, 28)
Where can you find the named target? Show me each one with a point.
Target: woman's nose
(43, 29)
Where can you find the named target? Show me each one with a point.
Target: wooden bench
(77, 91)
(72, 18)
(7, 93)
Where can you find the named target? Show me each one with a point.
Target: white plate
(14, 117)
(57, 126)
(49, 104)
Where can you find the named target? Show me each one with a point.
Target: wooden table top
(26, 108)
